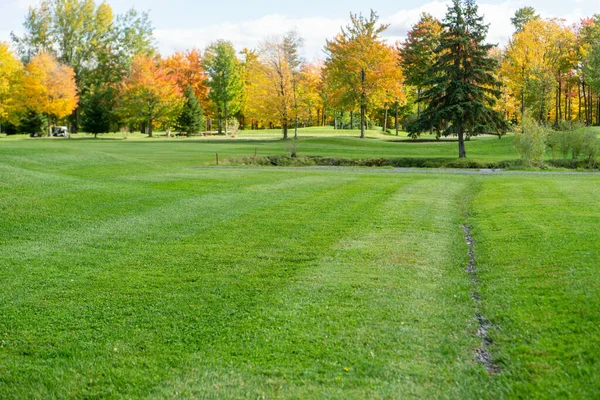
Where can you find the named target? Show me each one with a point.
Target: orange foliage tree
(187, 70)
(49, 87)
(150, 95)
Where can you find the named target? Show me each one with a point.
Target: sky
(186, 24)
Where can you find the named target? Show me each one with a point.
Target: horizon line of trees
(79, 63)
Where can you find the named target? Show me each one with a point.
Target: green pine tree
(190, 119)
(462, 89)
(96, 113)
(33, 123)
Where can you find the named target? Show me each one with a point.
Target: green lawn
(312, 142)
(125, 272)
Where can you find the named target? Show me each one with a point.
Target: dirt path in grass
(482, 353)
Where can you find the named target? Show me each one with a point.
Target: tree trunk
(149, 128)
(363, 98)
(285, 128)
(396, 120)
(589, 106)
(385, 117)
(220, 127)
(583, 90)
(296, 129)
(523, 92)
(75, 121)
(522, 104)
(418, 103)
(556, 105)
(560, 114)
(598, 111)
(225, 108)
(567, 103)
(362, 121)
(334, 120)
(579, 102)
(461, 142)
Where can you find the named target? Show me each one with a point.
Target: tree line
(78, 63)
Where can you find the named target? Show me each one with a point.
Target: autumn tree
(49, 87)
(256, 97)
(356, 66)
(225, 82)
(589, 68)
(150, 95)
(417, 52)
(537, 64)
(394, 91)
(11, 75)
(462, 86)
(310, 99)
(187, 69)
(87, 37)
(281, 65)
(80, 33)
(508, 105)
(563, 61)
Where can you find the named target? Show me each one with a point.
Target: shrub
(575, 139)
(531, 142)
(590, 147)
(233, 127)
(566, 126)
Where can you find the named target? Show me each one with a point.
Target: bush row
(285, 161)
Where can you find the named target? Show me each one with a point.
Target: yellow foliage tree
(537, 63)
(360, 66)
(257, 105)
(49, 87)
(11, 75)
(310, 101)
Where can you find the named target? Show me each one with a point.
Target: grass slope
(312, 142)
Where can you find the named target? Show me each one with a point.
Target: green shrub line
(404, 162)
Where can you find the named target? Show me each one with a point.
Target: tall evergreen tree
(33, 122)
(462, 88)
(190, 119)
(96, 118)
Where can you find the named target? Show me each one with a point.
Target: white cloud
(316, 30)
(250, 34)
(25, 4)
(497, 15)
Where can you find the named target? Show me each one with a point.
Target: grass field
(312, 142)
(127, 272)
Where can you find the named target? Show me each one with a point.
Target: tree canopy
(462, 88)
